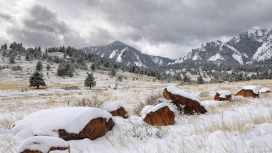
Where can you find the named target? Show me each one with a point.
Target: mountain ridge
(246, 47)
(127, 55)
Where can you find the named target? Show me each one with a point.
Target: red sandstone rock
(247, 93)
(219, 97)
(187, 105)
(119, 112)
(161, 117)
(94, 129)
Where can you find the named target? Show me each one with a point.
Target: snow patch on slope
(238, 58)
(216, 57)
(113, 53)
(196, 57)
(263, 52)
(157, 60)
(119, 58)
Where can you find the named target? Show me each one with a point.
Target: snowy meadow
(242, 125)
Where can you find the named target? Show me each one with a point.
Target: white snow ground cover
(265, 89)
(243, 126)
(48, 122)
(252, 87)
(223, 93)
(211, 103)
(42, 143)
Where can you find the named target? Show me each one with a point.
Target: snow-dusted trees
(200, 80)
(65, 69)
(48, 67)
(113, 72)
(39, 66)
(12, 56)
(90, 81)
(36, 80)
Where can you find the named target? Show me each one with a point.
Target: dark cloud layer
(183, 21)
(42, 28)
(144, 24)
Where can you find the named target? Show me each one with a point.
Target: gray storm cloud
(42, 28)
(152, 26)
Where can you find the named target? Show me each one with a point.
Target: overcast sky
(169, 28)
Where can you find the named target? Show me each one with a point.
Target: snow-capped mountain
(127, 55)
(246, 47)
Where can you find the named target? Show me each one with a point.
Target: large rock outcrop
(184, 102)
(223, 95)
(69, 123)
(116, 109)
(265, 90)
(160, 115)
(94, 129)
(43, 144)
(249, 91)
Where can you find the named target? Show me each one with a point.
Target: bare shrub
(152, 99)
(138, 108)
(88, 102)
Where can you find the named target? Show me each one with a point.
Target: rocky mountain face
(127, 55)
(253, 45)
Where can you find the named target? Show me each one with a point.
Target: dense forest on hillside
(73, 58)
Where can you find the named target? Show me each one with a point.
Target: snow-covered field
(243, 125)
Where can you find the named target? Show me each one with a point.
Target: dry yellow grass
(13, 86)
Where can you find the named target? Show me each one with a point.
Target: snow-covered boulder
(184, 101)
(249, 91)
(223, 95)
(42, 144)
(68, 123)
(116, 109)
(159, 115)
(265, 90)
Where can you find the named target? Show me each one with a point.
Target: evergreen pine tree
(200, 80)
(48, 67)
(90, 81)
(39, 66)
(113, 72)
(36, 80)
(5, 46)
(93, 67)
(186, 78)
(12, 58)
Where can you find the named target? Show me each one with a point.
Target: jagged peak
(117, 42)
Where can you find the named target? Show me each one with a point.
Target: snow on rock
(176, 91)
(252, 87)
(211, 103)
(146, 109)
(265, 89)
(113, 106)
(224, 93)
(159, 106)
(42, 144)
(160, 115)
(48, 122)
(216, 57)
